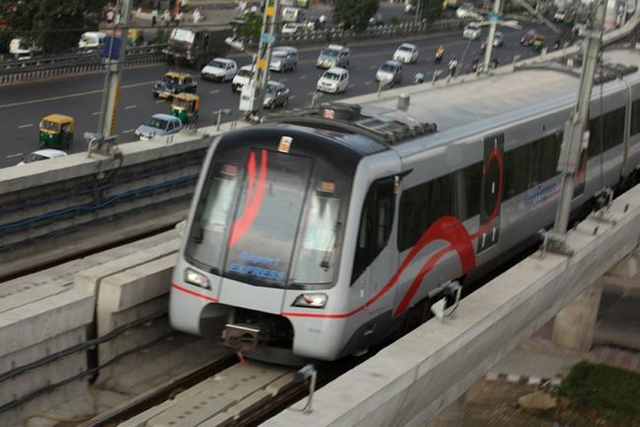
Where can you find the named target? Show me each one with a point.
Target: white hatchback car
(406, 53)
(334, 80)
(220, 69)
(472, 31)
(45, 154)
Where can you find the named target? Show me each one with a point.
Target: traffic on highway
(25, 105)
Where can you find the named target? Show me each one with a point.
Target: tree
(429, 10)
(53, 25)
(354, 14)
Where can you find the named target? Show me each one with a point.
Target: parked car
(376, 20)
(334, 55)
(390, 73)
(46, 154)
(92, 40)
(406, 53)
(158, 125)
(334, 80)
(276, 95)
(291, 28)
(220, 69)
(283, 58)
(172, 83)
(472, 31)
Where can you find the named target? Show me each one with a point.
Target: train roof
(467, 106)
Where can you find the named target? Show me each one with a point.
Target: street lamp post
(222, 111)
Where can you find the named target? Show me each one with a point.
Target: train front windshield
(271, 221)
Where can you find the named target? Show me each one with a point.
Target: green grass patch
(614, 394)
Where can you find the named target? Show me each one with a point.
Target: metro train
(326, 230)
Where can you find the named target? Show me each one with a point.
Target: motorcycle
(418, 78)
(439, 55)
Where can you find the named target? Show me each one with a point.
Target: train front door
(375, 258)
(492, 187)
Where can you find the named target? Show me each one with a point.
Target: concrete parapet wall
(47, 320)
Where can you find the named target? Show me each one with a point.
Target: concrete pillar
(453, 415)
(574, 326)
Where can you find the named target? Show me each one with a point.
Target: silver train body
(320, 234)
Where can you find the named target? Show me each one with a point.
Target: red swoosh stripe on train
(254, 198)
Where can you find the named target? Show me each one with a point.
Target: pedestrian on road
(154, 17)
(178, 18)
(453, 65)
(197, 15)
(494, 63)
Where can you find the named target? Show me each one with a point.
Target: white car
(158, 125)
(466, 10)
(334, 80)
(472, 31)
(220, 69)
(243, 77)
(45, 154)
(406, 53)
(560, 15)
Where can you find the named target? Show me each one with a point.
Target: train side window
(420, 206)
(607, 131)
(544, 158)
(375, 225)
(468, 185)
(635, 117)
(517, 171)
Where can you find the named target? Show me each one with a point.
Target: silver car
(158, 125)
(276, 95)
(334, 55)
(390, 73)
(284, 58)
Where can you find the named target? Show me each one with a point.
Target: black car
(173, 83)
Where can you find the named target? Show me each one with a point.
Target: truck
(195, 47)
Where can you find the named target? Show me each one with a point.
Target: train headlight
(195, 278)
(311, 301)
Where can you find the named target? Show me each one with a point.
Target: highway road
(23, 105)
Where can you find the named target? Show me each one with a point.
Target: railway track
(224, 392)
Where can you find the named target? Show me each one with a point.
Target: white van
(22, 50)
(291, 14)
(91, 39)
(334, 80)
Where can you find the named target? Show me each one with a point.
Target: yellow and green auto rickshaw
(56, 131)
(186, 107)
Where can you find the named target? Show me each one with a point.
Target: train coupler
(240, 338)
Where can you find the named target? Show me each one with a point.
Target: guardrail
(14, 71)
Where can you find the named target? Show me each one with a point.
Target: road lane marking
(10, 156)
(72, 95)
(129, 107)
(96, 113)
(214, 91)
(304, 76)
(128, 131)
(25, 126)
(161, 101)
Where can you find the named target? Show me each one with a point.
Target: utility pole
(252, 95)
(113, 58)
(576, 135)
(493, 21)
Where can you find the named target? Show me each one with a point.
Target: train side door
(374, 257)
(492, 186)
